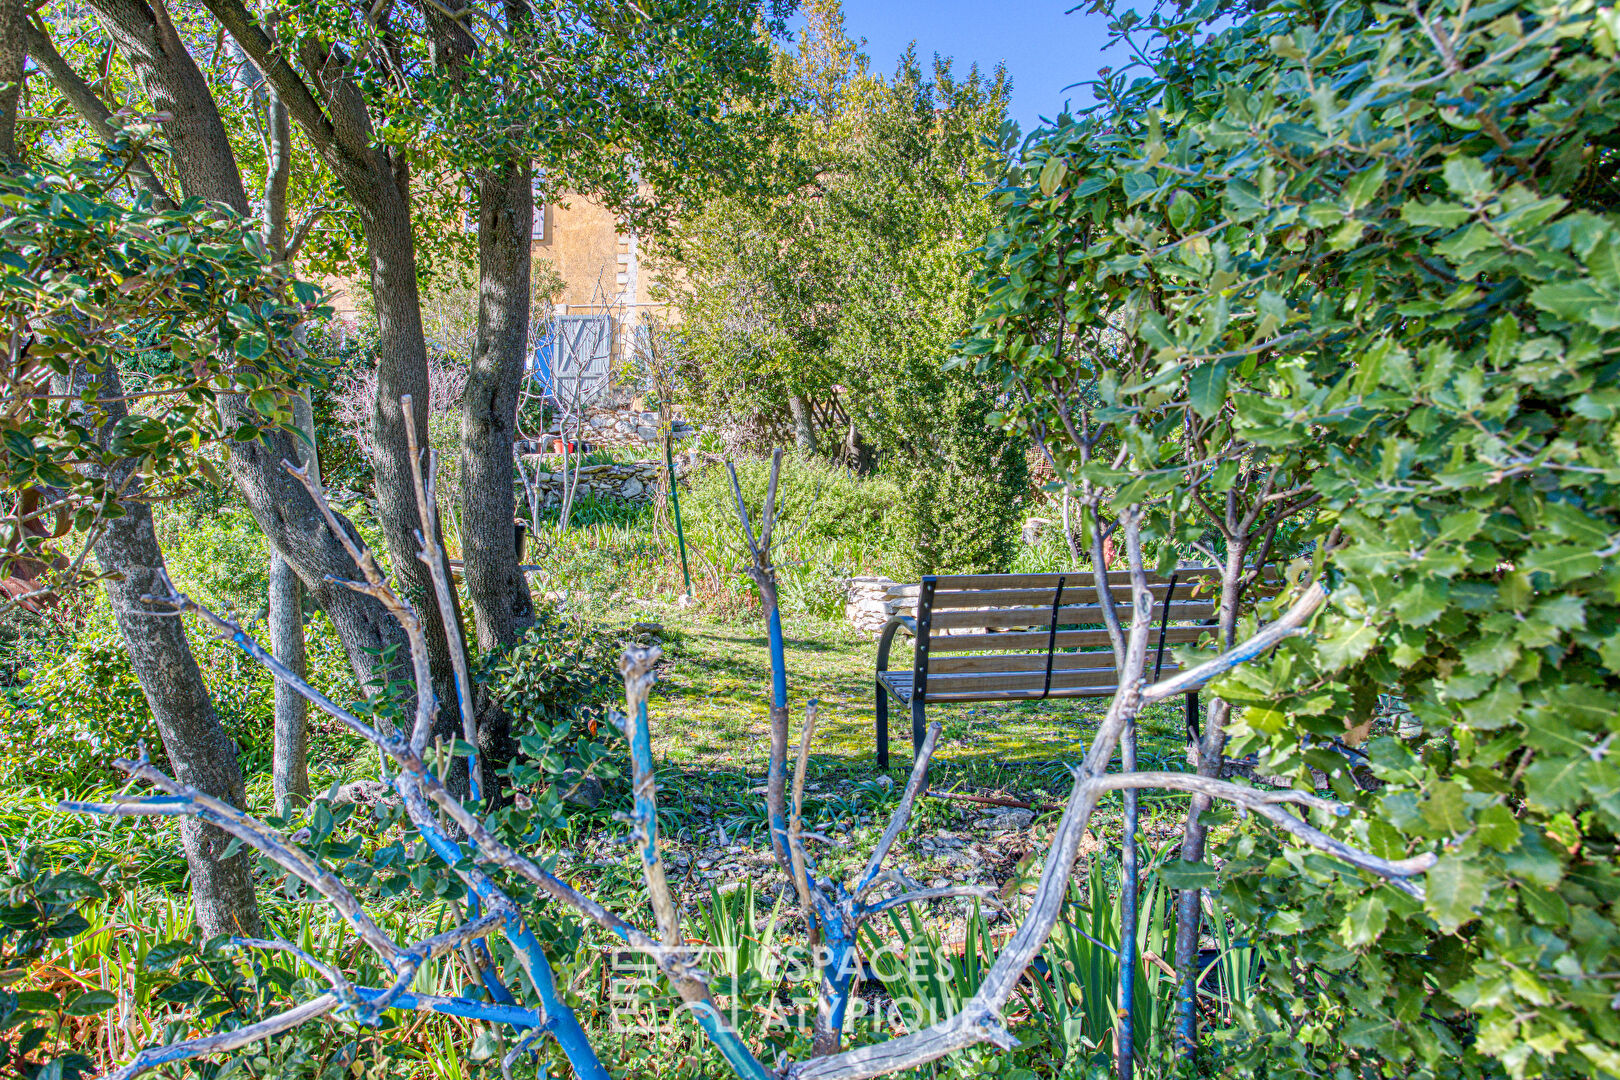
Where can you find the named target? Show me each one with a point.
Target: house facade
(600, 264)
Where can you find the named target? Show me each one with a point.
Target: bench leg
(882, 726)
(919, 727)
(1193, 735)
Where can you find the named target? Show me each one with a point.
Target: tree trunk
(402, 370)
(284, 511)
(496, 587)
(289, 767)
(804, 424)
(379, 186)
(13, 20)
(1211, 754)
(200, 754)
(200, 148)
(498, 590)
(78, 93)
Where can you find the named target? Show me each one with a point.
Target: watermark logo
(779, 988)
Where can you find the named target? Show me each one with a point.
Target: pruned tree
(501, 882)
(592, 92)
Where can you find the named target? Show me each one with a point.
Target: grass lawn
(710, 707)
(709, 713)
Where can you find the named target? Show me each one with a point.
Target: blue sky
(1045, 50)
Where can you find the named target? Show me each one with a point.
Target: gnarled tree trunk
(497, 588)
(13, 21)
(198, 749)
(284, 511)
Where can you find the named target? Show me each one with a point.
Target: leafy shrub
(563, 671)
(1382, 241)
(78, 711)
(37, 909)
(962, 492)
(78, 706)
(557, 684)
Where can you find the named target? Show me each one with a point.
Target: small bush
(964, 495)
(557, 684)
(563, 671)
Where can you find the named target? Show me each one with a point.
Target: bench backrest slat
(1075, 593)
(958, 582)
(1031, 661)
(940, 685)
(1066, 639)
(1089, 615)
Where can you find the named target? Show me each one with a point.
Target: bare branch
(796, 852)
(433, 557)
(1285, 627)
(902, 813)
(154, 1056)
(990, 893)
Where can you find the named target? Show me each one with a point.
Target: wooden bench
(1028, 637)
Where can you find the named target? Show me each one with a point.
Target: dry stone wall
(869, 602)
(636, 481)
(629, 427)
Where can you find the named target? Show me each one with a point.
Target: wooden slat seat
(1028, 637)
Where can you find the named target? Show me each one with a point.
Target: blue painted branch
(837, 977)
(516, 1016)
(560, 1019)
(229, 631)
(1125, 1055)
(638, 667)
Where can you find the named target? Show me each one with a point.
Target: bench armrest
(896, 622)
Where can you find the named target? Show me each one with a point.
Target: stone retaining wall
(869, 602)
(630, 427)
(635, 481)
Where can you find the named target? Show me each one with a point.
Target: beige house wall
(599, 263)
(581, 239)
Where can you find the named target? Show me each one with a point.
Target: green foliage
(965, 500)
(557, 683)
(89, 281)
(846, 288)
(834, 524)
(652, 110)
(1078, 995)
(78, 711)
(37, 908)
(927, 982)
(563, 671)
(1376, 246)
(75, 704)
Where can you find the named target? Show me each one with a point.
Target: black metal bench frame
(920, 626)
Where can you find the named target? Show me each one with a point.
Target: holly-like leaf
(91, 1003)
(1453, 888)
(1179, 874)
